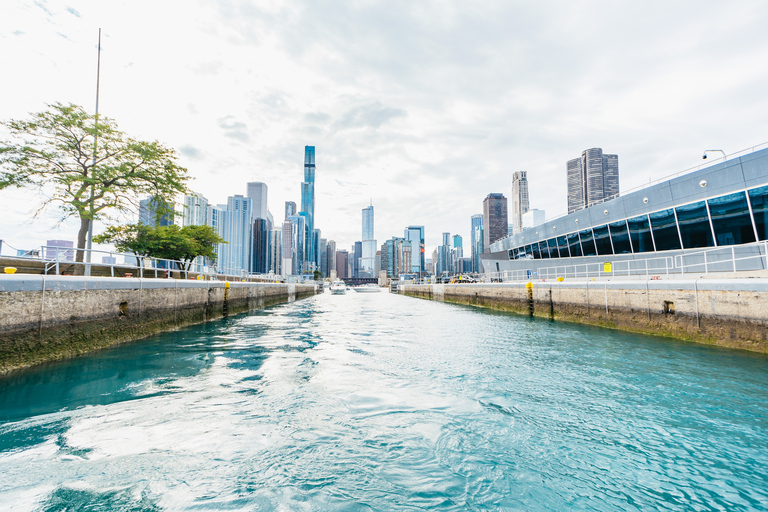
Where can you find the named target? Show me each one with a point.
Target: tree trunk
(81, 240)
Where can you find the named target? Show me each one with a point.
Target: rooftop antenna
(89, 242)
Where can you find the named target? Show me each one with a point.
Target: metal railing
(722, 259)
(61, 261)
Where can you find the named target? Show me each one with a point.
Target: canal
(384, 402)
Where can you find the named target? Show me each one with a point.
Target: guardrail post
(733, 258)
(706, 269)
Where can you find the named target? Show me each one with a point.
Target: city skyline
(448, 109)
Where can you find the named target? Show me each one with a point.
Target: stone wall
(725, 312)
(43, 318)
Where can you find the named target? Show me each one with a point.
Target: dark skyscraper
(494, 219)
(592, 179)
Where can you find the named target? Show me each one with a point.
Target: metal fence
(738, 258)
(61, 260)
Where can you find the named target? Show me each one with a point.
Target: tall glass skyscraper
(368, 260)
(477, 224)
(237, 232)
(308, 205)
(416, 235)
(520, 203)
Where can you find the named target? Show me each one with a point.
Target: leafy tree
(165, 242)
(318, 275)
(86, 165)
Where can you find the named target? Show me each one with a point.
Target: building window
(574, 245)
(553, 252)
(758, 197)
(695, 229)
(544, 250)
(731, 220)
(640, 234)
(620, 237)
(587, 242)
(528, 253)
(665, 230)
(603, 240)
(562, 243)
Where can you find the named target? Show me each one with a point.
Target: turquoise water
(384, 402)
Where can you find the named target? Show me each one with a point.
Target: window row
(738, 218)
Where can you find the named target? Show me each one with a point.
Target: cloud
(191, 152)
(371, 115)
(234, 129)
(73, 11)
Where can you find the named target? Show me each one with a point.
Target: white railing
(58, 260)
(722, 259)
(714, 260)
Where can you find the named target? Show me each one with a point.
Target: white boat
(338, 287)
(367, 288)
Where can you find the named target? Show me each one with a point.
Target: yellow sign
(607, 267)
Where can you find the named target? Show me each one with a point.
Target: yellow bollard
(10, 270)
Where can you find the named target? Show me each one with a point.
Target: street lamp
(704, 156)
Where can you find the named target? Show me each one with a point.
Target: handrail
(650, 267)
(157, 267)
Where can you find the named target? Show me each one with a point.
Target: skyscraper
(308, 205)
(195, 210)
(416, 235)
(367, 261)
(519, 199)
(477, 223)
(155, 211)
(257, 192)
(494, 219)
(237, 233)
(290, 208)
(592, 179)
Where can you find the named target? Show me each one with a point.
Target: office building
(477, 223)
(155, 211)
(416, 236)
(356, 256)
(342, 264)
(195, 210)
(592, 179)
(236, 229)
(290, 208)
(494, 218)
(308, 206)
(519, 200)
(533, 218)
(367, 260)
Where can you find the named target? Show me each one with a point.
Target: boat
(338, 287)
(367, 288)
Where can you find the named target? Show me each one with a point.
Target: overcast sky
(422, 107)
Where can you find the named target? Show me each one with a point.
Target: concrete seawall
(725, 312)
(43, 318)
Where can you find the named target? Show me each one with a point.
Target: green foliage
(166, 242)
(85, 164)
(318, 275)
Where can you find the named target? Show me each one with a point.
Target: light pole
(704, 156)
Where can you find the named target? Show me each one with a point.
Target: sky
(422, 108)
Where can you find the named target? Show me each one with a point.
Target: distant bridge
(360, 280)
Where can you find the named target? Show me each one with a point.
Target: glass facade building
(368, 259)
(723, 205)
(308, 207)
(415, 234)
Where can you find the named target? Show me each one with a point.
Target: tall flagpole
(89, 242)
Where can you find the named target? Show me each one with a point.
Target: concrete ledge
(725, 312)
(43, 318)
